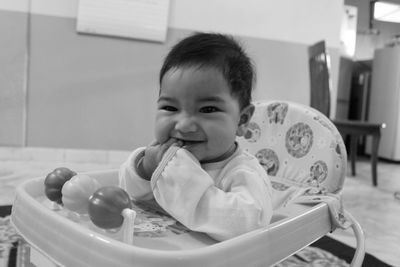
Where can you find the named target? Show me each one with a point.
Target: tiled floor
(376, 208)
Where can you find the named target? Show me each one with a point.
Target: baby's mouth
(186, 143)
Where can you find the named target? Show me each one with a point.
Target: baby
(195, 169)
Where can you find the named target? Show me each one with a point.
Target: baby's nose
(186, 124)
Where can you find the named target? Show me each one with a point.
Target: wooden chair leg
(353, 153)
(374, 158)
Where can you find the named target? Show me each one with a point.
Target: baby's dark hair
(220, 51)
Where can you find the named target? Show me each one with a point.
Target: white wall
(14, 5)
(298, 21)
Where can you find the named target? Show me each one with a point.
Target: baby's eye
(168, 108)
(209, 109)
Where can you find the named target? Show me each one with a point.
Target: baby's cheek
(161, 133)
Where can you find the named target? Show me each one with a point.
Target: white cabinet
(385, 100)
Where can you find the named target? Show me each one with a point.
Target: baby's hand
(153, 155)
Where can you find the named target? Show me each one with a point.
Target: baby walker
(85, 219)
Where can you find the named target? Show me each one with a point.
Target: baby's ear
(245, 116)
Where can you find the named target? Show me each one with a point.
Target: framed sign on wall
(138, 19)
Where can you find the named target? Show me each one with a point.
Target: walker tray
(69, 240)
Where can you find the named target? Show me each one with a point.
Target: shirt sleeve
(130, 180)
(189, 194)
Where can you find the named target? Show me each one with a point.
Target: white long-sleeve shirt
(222, 199)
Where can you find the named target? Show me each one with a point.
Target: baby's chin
(203, 159)
(193, 152)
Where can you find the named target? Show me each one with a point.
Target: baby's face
(196, 106)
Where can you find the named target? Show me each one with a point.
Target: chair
(298, 147)
(320, 100)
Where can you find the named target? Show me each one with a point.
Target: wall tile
(86, 156)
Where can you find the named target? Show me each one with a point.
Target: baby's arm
(189, 194)
(130, 179)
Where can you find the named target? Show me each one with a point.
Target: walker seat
(299, 148)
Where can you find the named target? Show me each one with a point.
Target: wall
(85, 91)
(12, 77)
(285, 20)
(305, 21)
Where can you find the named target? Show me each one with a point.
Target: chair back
(320, 92)
(297, 146)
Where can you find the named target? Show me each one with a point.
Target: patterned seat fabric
(297, 146)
